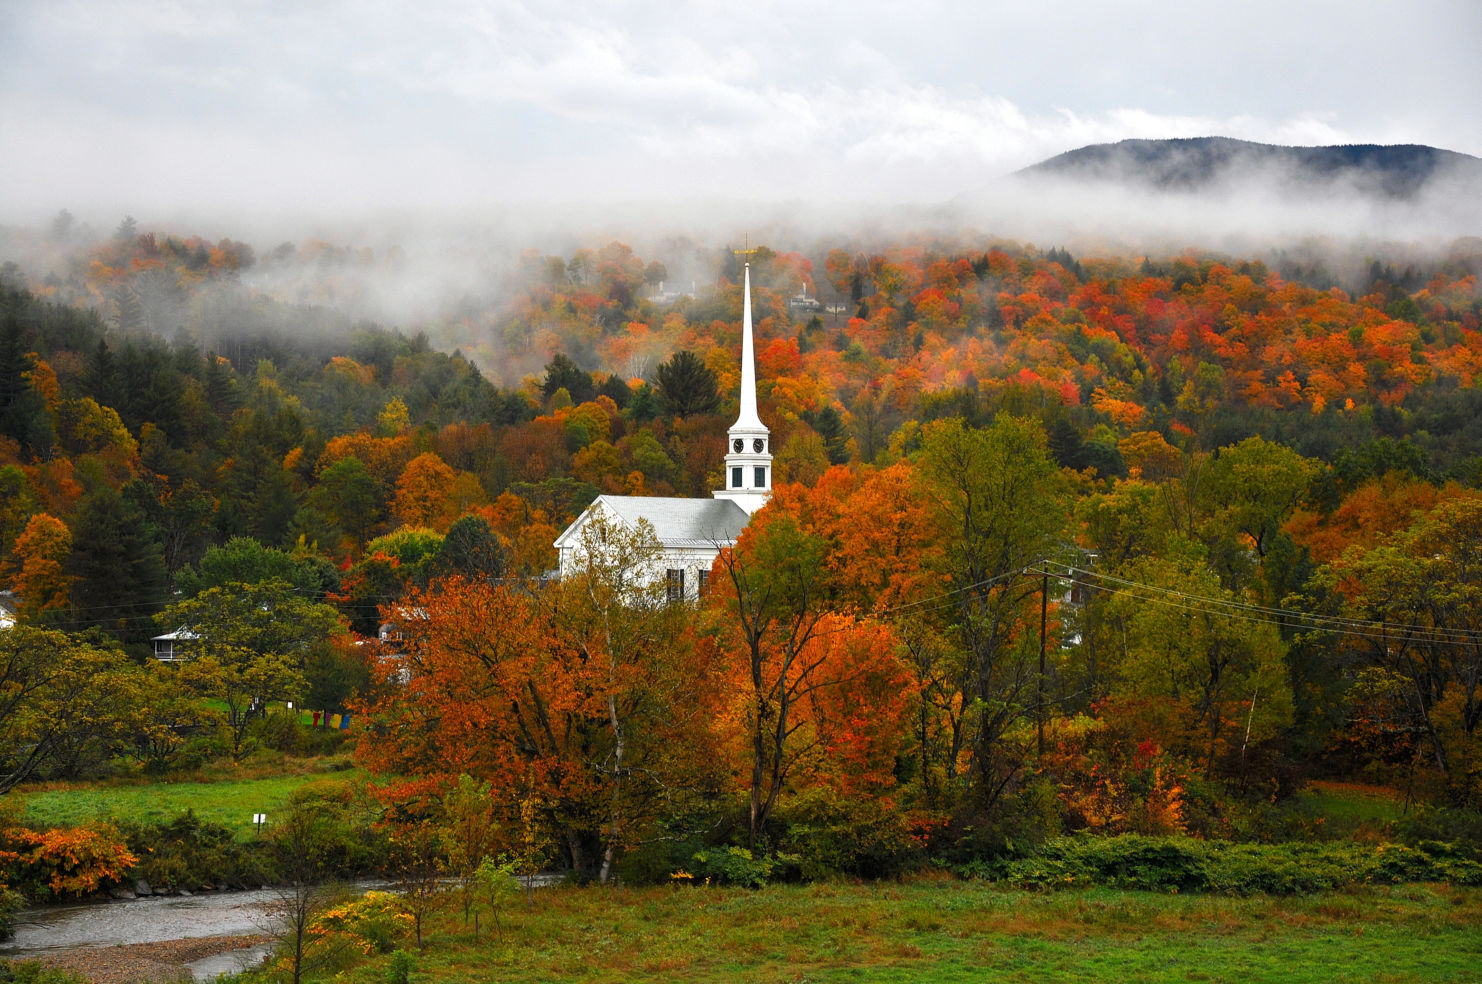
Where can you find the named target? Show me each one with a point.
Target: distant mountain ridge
(1400, 171)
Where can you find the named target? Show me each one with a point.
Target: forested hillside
(1058, 542)
(1207, 163)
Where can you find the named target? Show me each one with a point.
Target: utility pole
(1044, 608)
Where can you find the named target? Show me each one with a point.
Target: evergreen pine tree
(118, 565)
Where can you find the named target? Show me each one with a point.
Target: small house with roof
(692, 532)
(174, 647)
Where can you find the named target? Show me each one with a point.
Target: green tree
(1253, 487)
(1425, 585)
(470, 549)
(349, 496)
(393, 564)
(472, 835)
(1183, 640)
(644, 405)
(23, 412)
(563, 374)
(419, 867)
(56, 689)
(253, 644)
(257, 498)
(613, 611)
(830, 427)
(1000, 504)
(242, 560)
(686, 386)
(118, 568)
(17, 504)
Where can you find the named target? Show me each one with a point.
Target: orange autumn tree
(38, 565)
(564, 695)
(800, 674)
(856, 720)
(481, 684)
(430, 493)
(883, 558)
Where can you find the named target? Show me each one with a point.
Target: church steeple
(747, 417)
(749, 455)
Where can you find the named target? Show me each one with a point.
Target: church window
(703, 583)
(735, 478)
(761, 478)
(675, 586)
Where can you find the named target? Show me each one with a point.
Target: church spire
(748, 457)
(748, 416)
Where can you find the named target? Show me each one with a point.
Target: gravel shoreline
(144, 963)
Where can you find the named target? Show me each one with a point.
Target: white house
(693, 531)
(9, 609)
(174, 647)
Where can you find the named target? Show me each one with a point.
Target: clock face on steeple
(757, 445)
(738, 445)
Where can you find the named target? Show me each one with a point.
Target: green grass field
(1353, 802)
(939, 930)
(227, 801)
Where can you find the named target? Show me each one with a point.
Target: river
(162, 918)
(148, 920)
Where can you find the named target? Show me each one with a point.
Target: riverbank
(156, 962)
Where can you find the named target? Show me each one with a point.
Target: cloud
(334, 102)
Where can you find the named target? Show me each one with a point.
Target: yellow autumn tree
(424, 493)
(38, 564)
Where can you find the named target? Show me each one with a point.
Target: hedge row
(1181, 864)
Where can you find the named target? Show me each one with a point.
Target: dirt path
(144, 963)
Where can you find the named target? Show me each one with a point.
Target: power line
(1374, 630)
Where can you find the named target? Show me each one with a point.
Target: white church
(694, 531)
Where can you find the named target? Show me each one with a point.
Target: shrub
(286, 733)
(736, 866)
(830, 835)
(399, 970)
(1126, 862)
(1024, 819)
(276, 730)
(1181, 864)
(188, 852)
(10, 904)
(346, 842)
(1460, 828)
(35, 972)
(63, 862)
(372, 923)
(652, 863)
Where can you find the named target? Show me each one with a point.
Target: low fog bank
(1241, 212)
(457, 274)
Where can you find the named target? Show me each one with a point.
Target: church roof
(676, 522)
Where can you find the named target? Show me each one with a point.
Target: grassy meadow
(944, 930)
(222, 798)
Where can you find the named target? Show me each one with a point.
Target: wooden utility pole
(1044, 608)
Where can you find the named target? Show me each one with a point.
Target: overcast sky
(150, 106)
